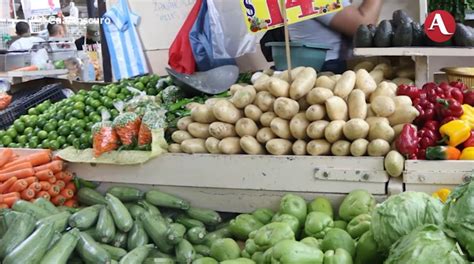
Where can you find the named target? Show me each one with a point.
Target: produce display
(128, 225)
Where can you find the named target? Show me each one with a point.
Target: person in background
(336, 31)
(92, 36)
(56, 31)
(25, 41)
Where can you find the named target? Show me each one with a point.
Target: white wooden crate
(429, 176)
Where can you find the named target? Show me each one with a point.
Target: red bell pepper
(469, 98)
(460, 85)
(407, 141)
(428, 136)
(452, 92)
(433, 92)
(425, 108)
(448, 108)
(470, 141)
(409, 90)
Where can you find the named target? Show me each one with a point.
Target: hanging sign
(263, 15)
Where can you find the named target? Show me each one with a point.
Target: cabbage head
(400, 214)
(426, 244)
(459, 215)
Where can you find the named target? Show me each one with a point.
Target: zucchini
(54, 240)
(75, 260)
(383, 34)
(137, 236)
(155, 253)
(202, 250)
(3, 221)
(205, 260)
(105, 226)
(72, 210)
(207, 216)
(10, 216)
(403, 36)
(196, 235)
(158, 261)
(135, 210)
(33, 248)
(85, 218)
(157, 229)
(175, 233)
(61, 251)
(185, 252)
(159, 198)
(30, 208)
(60, 221)
(126, 194)
(120, 240)
(88, 196)
(137, 255)
(16, 233)
(47, 205)
(115, 253)
(92, 232)
(150, 207)
(189, 222)
(122, 218)
(90, 251)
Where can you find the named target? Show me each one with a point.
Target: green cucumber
(157, 229)
(62, 250)
(159, 198)
(33, 248)
(75, 260)
(155, 253)
(150, 207)
(196, 235)
(207, 216)
(137, 236)
(126, 194)
(115, 253)
(185, 252)
(158, 261)
(47, 205)
(137, 255)
(60, 221)
(85, 218)
(88, 196)
(205, 260)
(135, 210)
(175, 233)
(30, 208)
(122, 218)
(16, 233)
(202, 250)
(105, 226)
(90, 251)
(72, 210)
(120, 240)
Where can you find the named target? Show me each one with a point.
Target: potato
(318, 95)
(265, 134)
(267, 118)
(294, 72)
(374, 120)
(212, 145)
(233, 88)
(212, 101)
(230, 145)
(383, 106)
(195, 145)
(356, 128)
(366, 65)
(246, 127)
(262, 83)
(336, 108)
(326, 73)
(179, 136)
(403, 115)
(278, 87)
(345, 84)
(378, 148)
(315, 130)
(281, 128)
(325, 82)
(386, 69)
(251, 146)
(407, 72)
(299, 147)
(335, 78)
(383, 131)
(243, 96)
(203, 114)
(253, 112)
(357, 105)
(315, 112)
(359, 147)
(377, 75)
(225, 111)
(341, 148)
(199, 130)
(221, 130)
(285, 107)
(334, 131)
(190, 106)
(384, 89)
(392, 85)
(303, 83)
(298, 125)
(264, 100)
(303, 104)
(402, 101)
(318, 147)
(365, 82)
(184, 122)
(174, 148)
(370, 112)
(400, 81)
(394, 163)
(397, 130)
(256, 76)
(279, 146)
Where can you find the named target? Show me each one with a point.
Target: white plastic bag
(230, 37)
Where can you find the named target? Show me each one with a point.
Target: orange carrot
(71, 203)
(8, 195)
(4, 206)
(61, 184)
(54, 190)
(44, 175)
(58, 200)
(18, 186)
(27, 68)
(71, 186)
(30, 180)
(19, 166)
(68, 193)
(55, 166)
(52, 180)
(27, 194)
(9, 201)
(7, 184)
(35, 186)
(43, 194)
(20, 174)
(36, 159)
(59, 175)
(5, 155)
(45, 185)
(68, 176)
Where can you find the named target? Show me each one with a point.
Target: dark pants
(335, 66)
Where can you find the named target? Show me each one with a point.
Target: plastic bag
(152, 119)
(5, 100)
(104, 137)
(127, 126)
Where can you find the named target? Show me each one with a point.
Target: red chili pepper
(469, 98)
(470, 141)
(448, 108)
(452, 92)
(428, 136)
(407, 142)
(409, 90)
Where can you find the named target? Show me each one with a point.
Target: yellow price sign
(263, 15)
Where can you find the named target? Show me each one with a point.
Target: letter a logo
(440, 26)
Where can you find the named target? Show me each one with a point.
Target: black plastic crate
(28, 98)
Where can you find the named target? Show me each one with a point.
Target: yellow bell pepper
(456, 132)
(442, 194)
(468, 115)
(467, 154)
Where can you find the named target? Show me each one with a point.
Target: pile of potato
(341, 115)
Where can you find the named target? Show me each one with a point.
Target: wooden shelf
(416, 51)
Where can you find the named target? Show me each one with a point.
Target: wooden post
(287, 38)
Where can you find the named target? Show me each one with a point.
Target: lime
(6, 140)
(65, 145)
(80, 123)
(68, 116)
(95, 103)
(32, 145)
(89, 100)
(95, 87)
(64, 130)
(79, 98)
(78, 131)
(61, 122)
(89, 126)
(111, 94)
(86, 138)
(78, 114)
(61, 140)
(68, 109)
(31, 121)
(22, 139)
(2, 133)
(45, 144)
(53, 135)
(33, 139)
(32, 111)
(79, 106)
(39, 146)
(94, 95)
(121, 97)
(96, 118)
(88, 110)
(54, 145)
(70, 139)
(42, 134)
(49, 127)
(151, 91)
(12, 133)
(76, 143)
(145, 79)
(19, 126)
(82, 92)
(28, 130)
(41, 122)
(108, 102)
(61, 115)
(13, 145)
(86, 119)
(140, 86)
